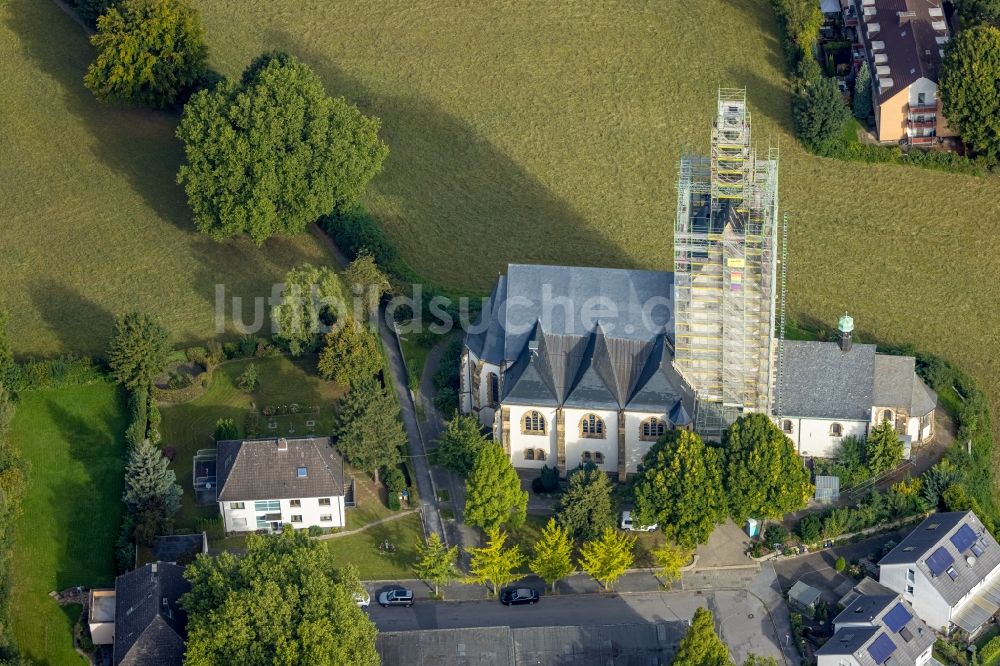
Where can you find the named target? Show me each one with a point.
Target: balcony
(922, 140)
(921, 124)
(926, 109)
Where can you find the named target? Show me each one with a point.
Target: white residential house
(879, 628)
(266, 484)
(948, 569)
(831, 390)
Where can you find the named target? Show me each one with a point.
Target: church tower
(725, 239)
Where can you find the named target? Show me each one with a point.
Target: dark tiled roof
(911, 48)
(257, 470)
(570, 301)
(172, 547)
(883, 619)
(898, 385)
(149, 632)
(819, 380)
(935, 533)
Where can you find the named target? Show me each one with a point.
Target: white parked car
(629, 526)
(362, 598)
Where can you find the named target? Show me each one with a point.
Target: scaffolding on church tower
(724, 266)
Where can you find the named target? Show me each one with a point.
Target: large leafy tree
(367, 427)
(495, 565)
(701, 646)
(820, 112)
(273, 152)
(139, 349)
(586, 508)
(607, 557)
(680, 487)
(553, 558)
(435, 562)
(459, 444)
(90, 10)
(883, 449)
(494, 498)
(802, 20)
(311, 297)
(863, 92)
(351, 354)
(284, 602)
(765, 477)
(974, 12)
(149, 52)
(970, 88)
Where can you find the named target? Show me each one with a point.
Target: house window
(539, 454)
(294, 503)
(598, 457)
(887, 415)
(267, 505)
(296, 518)
(592, 426)
(529, 454)
(909, 590)
(786, 426)
(651, 428)
(237, 506)
(324, 501)
(921, 98)
(533, 423)
(302, 472)
(493, 389)
(836, 430)
(262, 523)
(326, 518)
(585, 457)
(910, 576)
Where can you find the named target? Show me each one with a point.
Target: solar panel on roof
(939, 560)
(897, 618)
(881, 649)
(963, 538)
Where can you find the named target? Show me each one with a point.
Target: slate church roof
(819, 380)
(585, 337)
(149, 624)
(261, 470)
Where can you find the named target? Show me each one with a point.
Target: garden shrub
(989, 655)
(394, 480)
(64, 371)
(315, 530)
(392, 501)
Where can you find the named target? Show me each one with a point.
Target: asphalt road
(741, 617)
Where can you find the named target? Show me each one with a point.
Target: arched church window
(533, 423)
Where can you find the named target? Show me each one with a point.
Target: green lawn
(551, 131)
(93, 222)
(65, 537)
(189, 426)
(362, 549)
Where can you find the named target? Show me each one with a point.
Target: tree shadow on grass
(86, 508)
(138, 143)
(445, 182)
(65, 310)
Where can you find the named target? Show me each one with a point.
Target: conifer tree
(147, 477)
(493, 492)
(701, 646)
(367, 427)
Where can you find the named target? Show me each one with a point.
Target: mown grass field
(72, 439)
(93, 223)
(550, 131)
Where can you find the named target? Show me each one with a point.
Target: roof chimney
(282, 444)
(845, 332)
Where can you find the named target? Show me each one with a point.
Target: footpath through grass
(72, 439)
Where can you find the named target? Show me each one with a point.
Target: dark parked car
(397, 597)
(513, 596)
